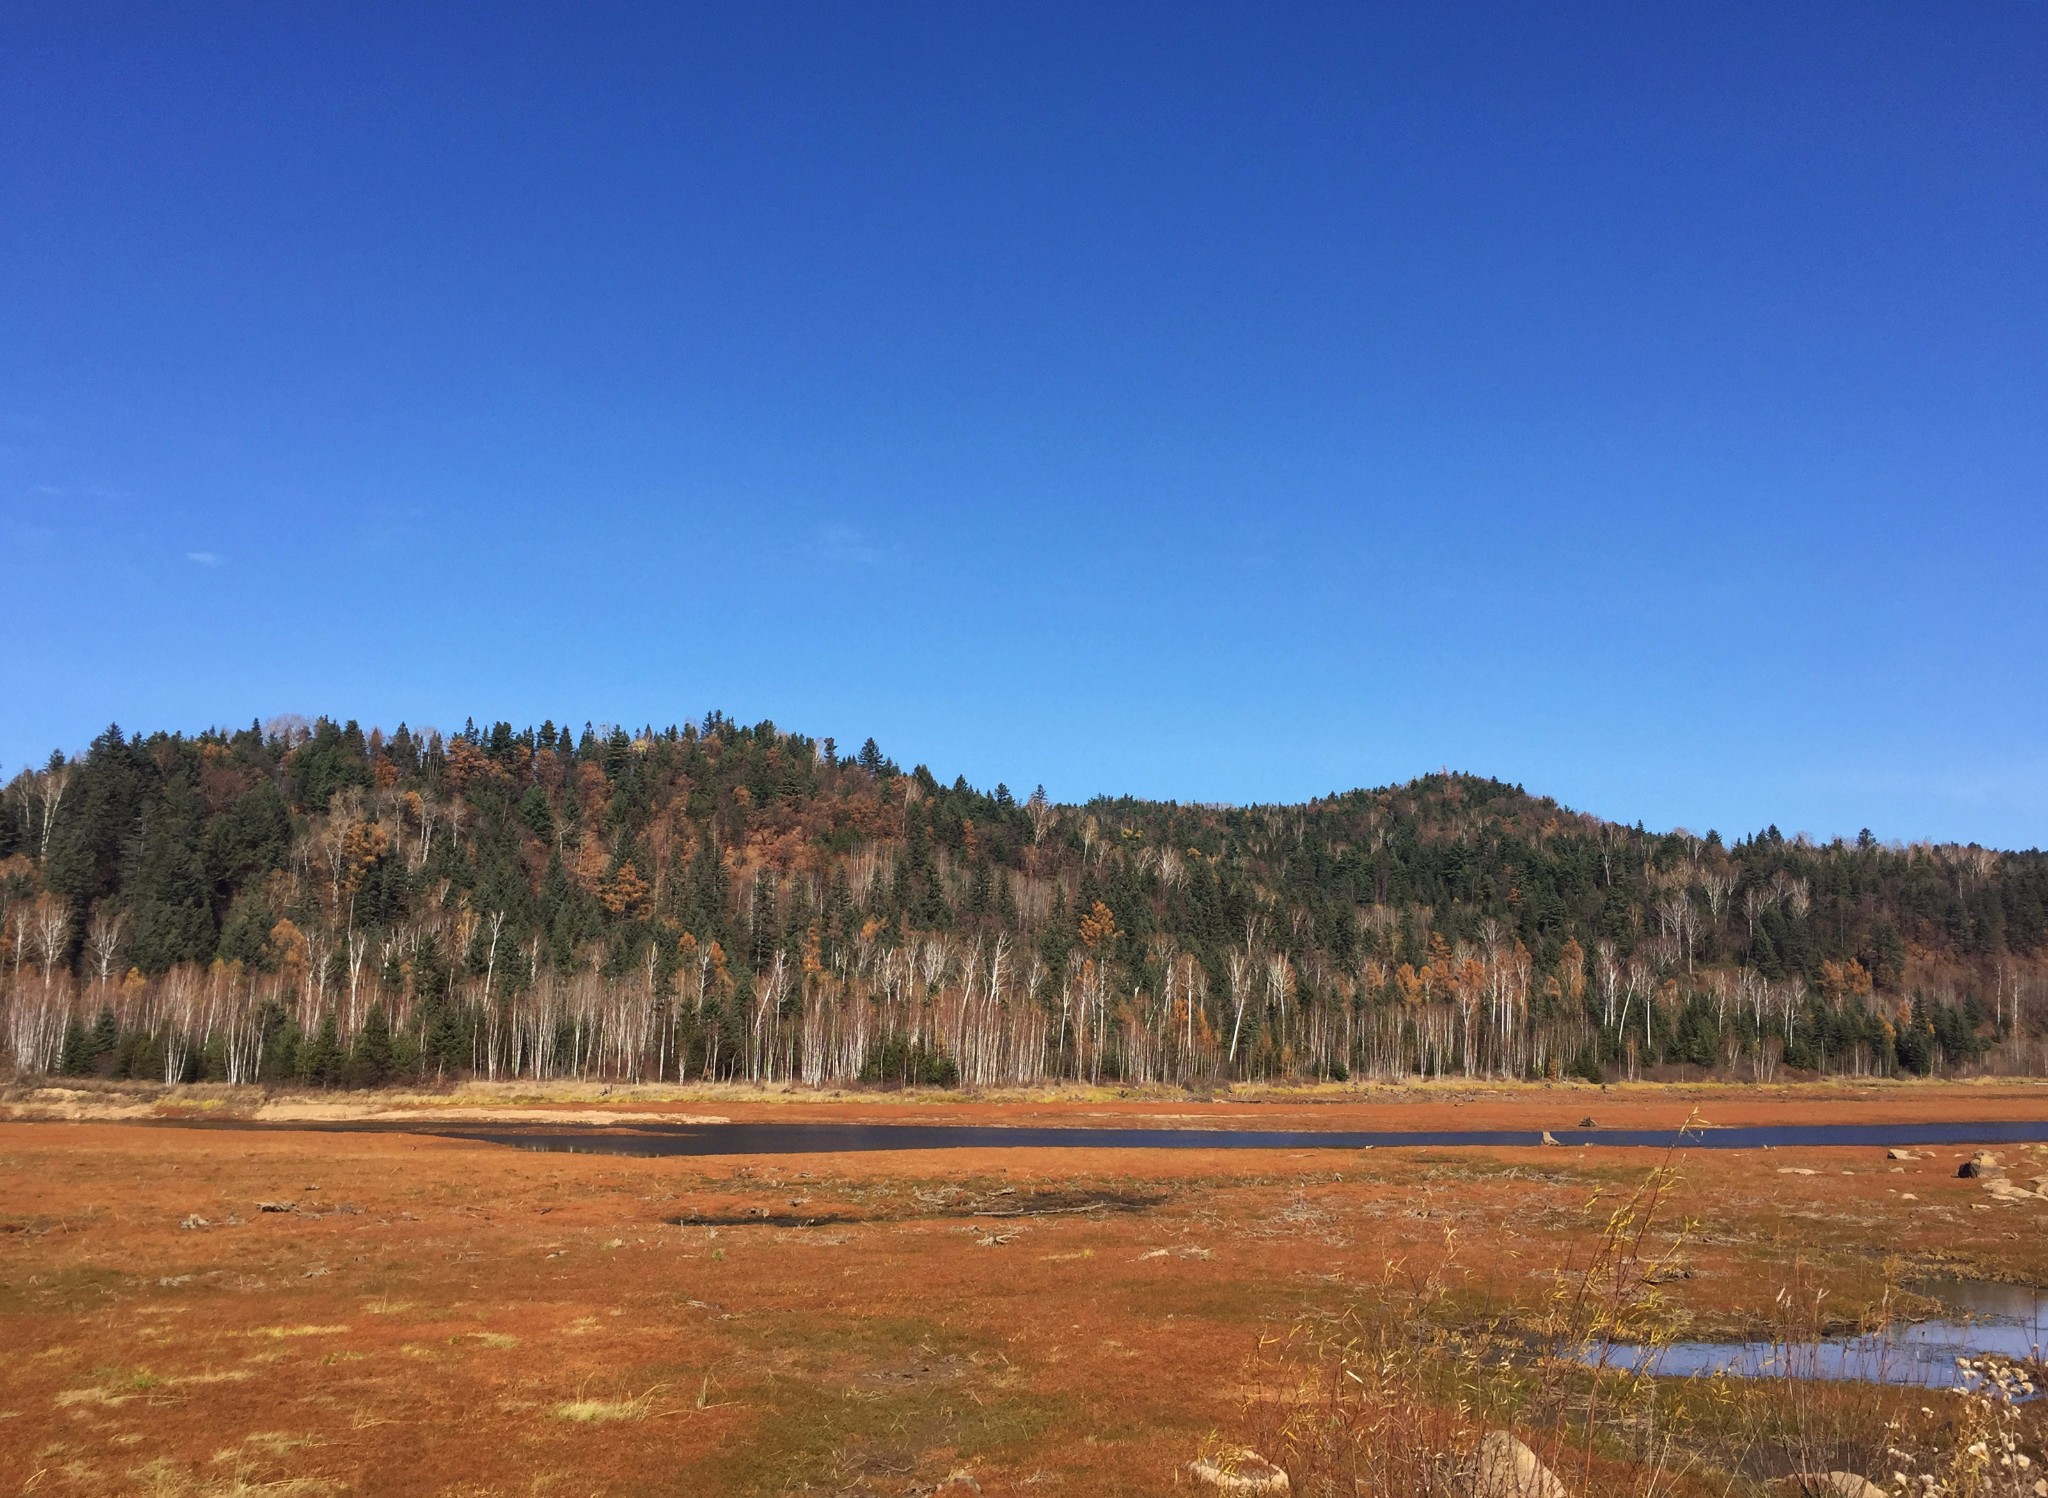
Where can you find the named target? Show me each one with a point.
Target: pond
(2003, 1320)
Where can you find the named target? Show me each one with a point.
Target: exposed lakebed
(1981, 1318)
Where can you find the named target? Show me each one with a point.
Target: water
(848, 1138)
(2005, 1320)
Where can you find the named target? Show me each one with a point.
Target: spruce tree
(320, 1059)
(370, 1063)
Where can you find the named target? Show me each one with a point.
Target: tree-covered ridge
(310, 901)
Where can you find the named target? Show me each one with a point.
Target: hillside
(311, 903)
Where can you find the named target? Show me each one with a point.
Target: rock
(1796, 1170)
(1899, 1154)
(1240, 1472)
(276, 1206)
(1979, 1165)
(1505, 1468)
(1550, 1139)
(1825, 1485)
(1843, 1485)
(195, 1221)
(1587, 1122)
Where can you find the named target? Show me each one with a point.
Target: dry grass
(1395, 1395)
(1087, 1355)
(281, 1333)
(583, 1410)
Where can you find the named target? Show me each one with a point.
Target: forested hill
(310, 902)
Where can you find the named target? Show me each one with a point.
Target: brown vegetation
(434, 1316)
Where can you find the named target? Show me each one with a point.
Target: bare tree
(1789, 892)
(358, 949)
(1041, 813)
(103, 940)
(1755, 901)
(22, 914)
(497, 925)
(1717, 884)
(50, 929)
(1237, 965)
(1280, 988)
(1608, 972)
(45, 793)
(1679, 921)
(1798, 900)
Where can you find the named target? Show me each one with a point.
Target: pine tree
(370, 1063)
(320, 1059)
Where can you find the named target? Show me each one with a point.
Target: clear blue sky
(1645, 403)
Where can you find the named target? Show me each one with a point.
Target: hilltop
(312, 902)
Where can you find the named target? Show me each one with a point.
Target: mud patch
(918, 1373)
(766, 1219)
(1060, 1202)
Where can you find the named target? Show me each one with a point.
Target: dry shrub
(1394, 1395)
(1793, 1419)
(1992, 1445)
(1977, 1435)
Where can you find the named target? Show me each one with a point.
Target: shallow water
(2007, 1320)
(845, 1138)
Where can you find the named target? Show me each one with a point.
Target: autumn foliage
(307, 901)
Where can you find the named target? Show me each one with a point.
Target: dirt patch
(1001, 1204)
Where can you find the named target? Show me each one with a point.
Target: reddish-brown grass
(443, 1317)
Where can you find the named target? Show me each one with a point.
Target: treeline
(309, 902)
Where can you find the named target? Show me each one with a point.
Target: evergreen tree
(320, 1059)
(370, 1061)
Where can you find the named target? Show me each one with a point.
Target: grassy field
(193, 1311)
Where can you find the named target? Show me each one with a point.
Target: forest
(307, 903)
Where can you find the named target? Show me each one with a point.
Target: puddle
(2005, 1320)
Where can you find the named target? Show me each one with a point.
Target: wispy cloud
(205, 558)
(848, 546)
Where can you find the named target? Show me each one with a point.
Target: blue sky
(1645, 404)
